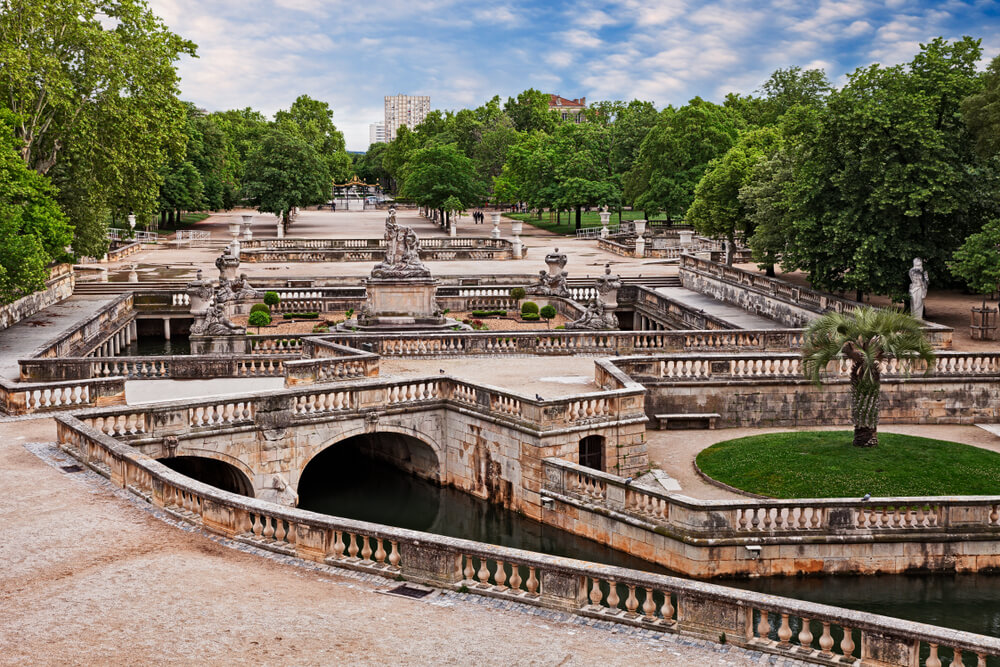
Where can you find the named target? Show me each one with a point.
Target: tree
(530, 112)
(369, 166)
(981, 112)
(33, 231)
(582, 167)
(717, 210)
(259, 318)
(977, 261)
(97, 106)
(397, 154)
(867, 337)
(547, 313)
(284, 172)
(675, 154)
(312, 121)
(891, 174)
(435, 173)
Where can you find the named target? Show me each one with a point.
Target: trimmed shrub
(517, 293)
(272, 298)
(259, 319)
(260, 308)
(488, 313)
(301, 316)
(529, 307)
(548, 312)
(530, 316)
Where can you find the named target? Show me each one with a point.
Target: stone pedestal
(605, 221)
(247, 233)
(401, 303)
(687, 237)
(453, 229)
(515, 229)
(495, 219)
(640, 241)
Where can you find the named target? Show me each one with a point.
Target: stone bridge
(480, 439)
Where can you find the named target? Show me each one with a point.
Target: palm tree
(867, 337)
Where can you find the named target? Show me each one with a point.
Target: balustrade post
(430, 563)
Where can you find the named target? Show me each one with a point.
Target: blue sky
(264, 53)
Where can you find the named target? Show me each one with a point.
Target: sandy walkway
(91, 578)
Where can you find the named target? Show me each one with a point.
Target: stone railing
(59, 286)
(329, 362)
(20, 398)
(456, 343)
(159, 367)
(767, 623)
(368, 250)
(790, 304)
(123, 251)
(669, 312)
(104, 324)
(756, 367)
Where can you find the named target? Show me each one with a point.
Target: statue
(918, 288)
(553, 282)
(242, 289)
(608, 282)
(227, 263)
(596, 317)
(402, 252)
(216, 323)
(283, 491)
(224, 292)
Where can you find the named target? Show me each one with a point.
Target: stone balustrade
(158, 367)
(19, 398)
(105, 323)
(367, 250)
(58, 286)
(771, 624)
(788, 366)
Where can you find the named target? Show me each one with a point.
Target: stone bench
(687, 420)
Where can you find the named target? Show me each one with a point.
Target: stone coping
(123, 461)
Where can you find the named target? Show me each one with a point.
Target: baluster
(352, 549)
(532, 584)
(932, 659)
(632, 603)
(268, 528)
(613, 598)
(501, 576)
(784, 631)
(826, 639)
(366, 551)
(484, 573)
(847, 645)
(515, 577)
(595, 593)
(279, 530)
(379, 552)
(648, 606)
(469, 571)
(394, 554)
(667, 609)
(763, 627)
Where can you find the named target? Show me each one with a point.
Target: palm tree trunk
(865, 403)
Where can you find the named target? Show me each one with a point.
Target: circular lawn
(824, 464)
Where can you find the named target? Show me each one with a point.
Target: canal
(342, 482)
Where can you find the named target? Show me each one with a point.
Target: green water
(155, 346)
(341, 482)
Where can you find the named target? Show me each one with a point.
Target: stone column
(515, 229)
(453, 226)
(495, 219)
(166, 328)
(640, 242)
(605, 221)
(247, 232)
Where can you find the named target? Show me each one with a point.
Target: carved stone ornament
(595, 318)
(402, 252)
(242, 288)
(216, 323)
(552, 282)
(608, 281)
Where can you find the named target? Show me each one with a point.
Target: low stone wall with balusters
(21, 398)
(158, 367)
(101, 327)
(706, 538)
(58, 287)
(770, 390)
(781, 626)
(487, 441)
(371, 250)
(790, 304)
(328, 362)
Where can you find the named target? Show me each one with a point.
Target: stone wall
(58, 287)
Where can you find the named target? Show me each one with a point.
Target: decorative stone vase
(247, 233)
(234, 227)
(495, 219)
(605, 221)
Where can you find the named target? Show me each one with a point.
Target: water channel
(343, 483)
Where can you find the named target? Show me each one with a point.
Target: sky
(265, 53)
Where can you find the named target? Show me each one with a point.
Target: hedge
(301, 316)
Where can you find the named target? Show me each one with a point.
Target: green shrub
(260, 308)
(530, 316)
(488, 313)
(272, 298)
(529, 307)
(517, 293)
(301, 316)
(548, 312)
(259, 319)
(321, 328)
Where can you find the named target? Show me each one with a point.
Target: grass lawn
(824, 464)
(568, 226)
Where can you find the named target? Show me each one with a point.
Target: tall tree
(312, 121)
(285, 172)
(33, 231)
(530, 112)
(97, 106)
(439, 172)
(675, 154)
(981, 112)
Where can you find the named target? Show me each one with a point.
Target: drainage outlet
(407, 591)
(71, 468)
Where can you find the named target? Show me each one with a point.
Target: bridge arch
(416, 452)
(219, 470)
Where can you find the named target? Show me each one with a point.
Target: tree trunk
(865, 403)
(578, 214)
(769, 271)
(558, 217)
(730, 250)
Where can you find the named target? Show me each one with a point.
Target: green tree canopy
(977, 261)
(312, 121)
(284, 172)
(530, 112)
(97, 106)
(438, 172)
(981, 112)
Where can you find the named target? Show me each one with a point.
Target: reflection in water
(343, 483)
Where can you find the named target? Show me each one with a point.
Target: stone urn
(495, 219)
(234, 227)
(515, 228)
(247, 233)
(199, 292)
(133, 277)
(605, 221)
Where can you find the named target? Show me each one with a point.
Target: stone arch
(214, 471)
(439, 472)
(591, 452)
(198, 452)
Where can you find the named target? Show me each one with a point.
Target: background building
(567, 109)
(408, 110)
(376, 133)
